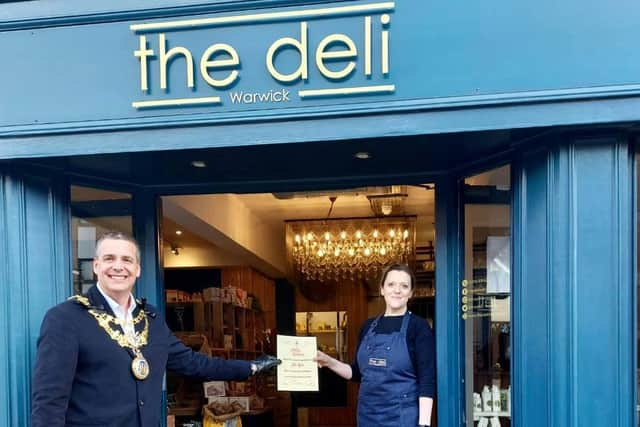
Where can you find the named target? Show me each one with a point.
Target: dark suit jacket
(83, 378)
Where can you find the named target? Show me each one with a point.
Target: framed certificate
(298, 371)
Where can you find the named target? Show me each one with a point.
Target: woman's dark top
(421, 345)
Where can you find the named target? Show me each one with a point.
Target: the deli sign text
(338, 57)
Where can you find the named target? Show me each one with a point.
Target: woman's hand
(325, 361)
(322, 359)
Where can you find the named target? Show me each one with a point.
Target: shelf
(178, 304)
(505, 414)
(191, 411)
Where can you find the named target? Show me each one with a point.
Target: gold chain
(105, 320)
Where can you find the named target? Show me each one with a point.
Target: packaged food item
(214, 388)
(477, 402)
(487, 406)
(496, 400)
(242, 402)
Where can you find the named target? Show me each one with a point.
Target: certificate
(298, 371)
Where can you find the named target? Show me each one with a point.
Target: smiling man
(102, 356)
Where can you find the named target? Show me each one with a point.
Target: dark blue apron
(389, 387)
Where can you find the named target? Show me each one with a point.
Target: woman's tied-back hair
(398, 267)
(118, 235)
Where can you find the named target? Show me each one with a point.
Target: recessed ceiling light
(178, 232)
(199, 164)
(362, 155)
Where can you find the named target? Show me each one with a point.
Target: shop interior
(241, 268)
(239, 239)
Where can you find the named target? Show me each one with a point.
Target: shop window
(486, 298)
(93, 212)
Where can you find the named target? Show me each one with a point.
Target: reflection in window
(94, 212)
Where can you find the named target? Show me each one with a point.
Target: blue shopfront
(521, 119)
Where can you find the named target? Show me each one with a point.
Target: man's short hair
(118, 235)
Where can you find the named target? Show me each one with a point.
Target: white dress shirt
(125, 317)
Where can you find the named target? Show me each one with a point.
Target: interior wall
(205, 255)
(350, 297)
(231, 225)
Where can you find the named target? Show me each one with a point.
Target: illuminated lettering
(384, 40)
(300, 46)
(322, 54)
(207, 63)
(166, 56)
(367, 46)
(327, 51)
(346, 59)
(143, 53)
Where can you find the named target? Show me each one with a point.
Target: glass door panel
(486, 298)
(93, 212)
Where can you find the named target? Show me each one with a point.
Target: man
(101, 357)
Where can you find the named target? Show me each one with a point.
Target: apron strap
(374, 324)
(405, 323)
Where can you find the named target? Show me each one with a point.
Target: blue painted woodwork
(448, 323)
(573, 232)
(289, 128)
(52, 13)
(477, 68)
(287, 167)
(442, 73)
(35, 275)
(147, 211)
(98, 208)
(575, 284)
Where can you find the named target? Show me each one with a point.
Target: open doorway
(240, 268)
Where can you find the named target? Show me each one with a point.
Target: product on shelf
(214, 388)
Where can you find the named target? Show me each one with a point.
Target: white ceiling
(316, 205)
(274, 211)
(271, 212)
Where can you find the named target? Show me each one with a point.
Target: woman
(395, 360)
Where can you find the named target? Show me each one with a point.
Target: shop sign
(274, 57)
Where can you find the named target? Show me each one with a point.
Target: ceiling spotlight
(362, 155)
(178, 232)
(198, 164)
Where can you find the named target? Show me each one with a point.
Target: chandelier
(353, 248)
(390, 202)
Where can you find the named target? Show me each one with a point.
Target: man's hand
(264, 363)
